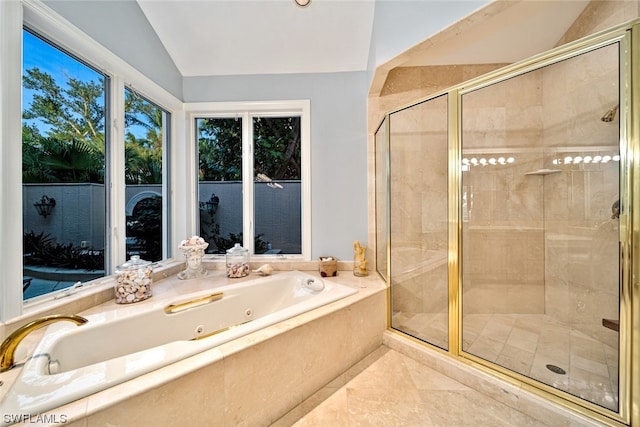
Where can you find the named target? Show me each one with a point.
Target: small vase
(193, 255)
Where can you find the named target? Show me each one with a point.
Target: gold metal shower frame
(628, 37)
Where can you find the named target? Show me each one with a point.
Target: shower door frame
(628, 37)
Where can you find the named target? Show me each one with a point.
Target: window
(262, 194)
(144, 140)
(68, 156)
(63, 168)
(80, 70)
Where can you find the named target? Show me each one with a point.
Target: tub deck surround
(171, 344)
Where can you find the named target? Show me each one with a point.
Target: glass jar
(237, 259)
(133, 281)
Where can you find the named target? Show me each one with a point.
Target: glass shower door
(381, 191)
(418, 156)
(540, 234)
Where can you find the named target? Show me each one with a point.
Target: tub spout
(8, 347)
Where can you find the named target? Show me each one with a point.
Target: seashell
(237, 270)
(133, 286)
(264, 269)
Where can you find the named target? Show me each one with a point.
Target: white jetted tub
(72, 362)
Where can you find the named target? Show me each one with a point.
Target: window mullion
(166, 183)
(114, 145)
(247, 182)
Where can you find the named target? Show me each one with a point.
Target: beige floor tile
(391, 389)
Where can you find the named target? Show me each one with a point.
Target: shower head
(610, 115)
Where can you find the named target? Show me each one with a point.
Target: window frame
(248, 111)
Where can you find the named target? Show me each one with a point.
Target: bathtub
(72, 362)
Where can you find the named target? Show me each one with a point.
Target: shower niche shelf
(542, 172)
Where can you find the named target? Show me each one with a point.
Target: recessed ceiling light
(302, 3)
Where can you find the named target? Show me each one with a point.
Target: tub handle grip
(182, 306)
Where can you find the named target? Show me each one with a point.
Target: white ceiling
(223, 37)
(240, 37)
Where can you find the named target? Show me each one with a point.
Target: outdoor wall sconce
(44, 206)
(212, 204)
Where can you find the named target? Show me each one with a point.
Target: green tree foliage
(42, 249)
(220, 148)
(143, 155)
(70, 147)
(63, 140)
(277, 148)
(53, 160)
(72, 113)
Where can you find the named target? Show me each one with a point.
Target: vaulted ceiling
(243, 37)
(263, 37)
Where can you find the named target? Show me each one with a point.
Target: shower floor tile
(527, 343)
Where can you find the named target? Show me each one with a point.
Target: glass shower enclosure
(503, 212)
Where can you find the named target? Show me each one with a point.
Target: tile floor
(527, 343)
(388, 388)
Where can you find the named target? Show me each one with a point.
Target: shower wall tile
(504, 299)
(600, 15)
(506, 256)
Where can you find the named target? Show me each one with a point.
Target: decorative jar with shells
(237, 260)
(133, 281)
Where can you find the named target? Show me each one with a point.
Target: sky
(37, 53)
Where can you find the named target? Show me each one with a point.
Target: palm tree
(143, 155)
(53, 160)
